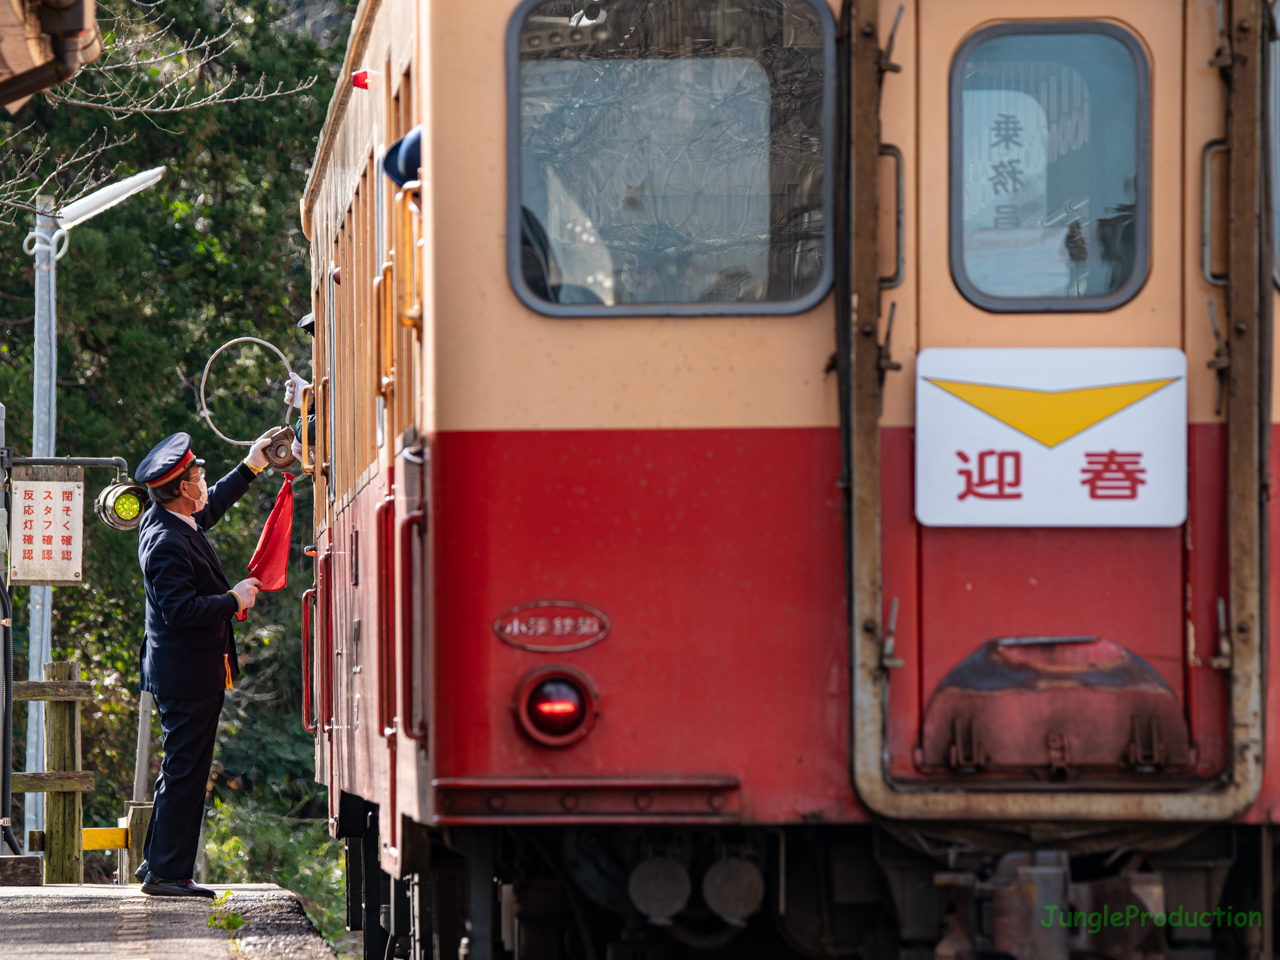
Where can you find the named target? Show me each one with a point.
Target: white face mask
(204, 495)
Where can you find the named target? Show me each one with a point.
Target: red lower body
(717, 555)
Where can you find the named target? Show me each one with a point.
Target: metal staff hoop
(204, 404)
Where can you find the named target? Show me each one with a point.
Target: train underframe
(888, 891)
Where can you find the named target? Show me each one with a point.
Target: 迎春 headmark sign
(1040, 437)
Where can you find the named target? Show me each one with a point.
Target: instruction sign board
(1016, 437)
(46, 536)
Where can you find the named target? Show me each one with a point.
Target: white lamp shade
(107, 197)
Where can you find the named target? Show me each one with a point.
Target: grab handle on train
(411, 727)
(308, 604)
(324, 621)
(900, 230)
(407, 261)
(1206, 212)
(384, 520)
(306, 431)
(322, 398)
(384, 297)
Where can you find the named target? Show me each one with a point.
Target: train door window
(1049, 167)
(671, 156)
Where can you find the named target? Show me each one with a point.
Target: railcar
(792, 480)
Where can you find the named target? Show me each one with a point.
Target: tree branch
(147, 69)
(29, 169)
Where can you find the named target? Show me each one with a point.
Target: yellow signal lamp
(120, 505)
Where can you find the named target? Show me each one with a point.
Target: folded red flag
(270, 563)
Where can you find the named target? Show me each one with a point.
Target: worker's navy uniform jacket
(189, 610)
(189, 633)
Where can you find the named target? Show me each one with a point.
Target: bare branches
(148, 69)
(175, 94)
(29, 169)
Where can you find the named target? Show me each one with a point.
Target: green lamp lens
(127, 506)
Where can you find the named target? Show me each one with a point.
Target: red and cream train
(792, 481)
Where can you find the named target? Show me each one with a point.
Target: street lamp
(74, 214)
(47, 242)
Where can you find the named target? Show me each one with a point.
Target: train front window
(671, 156)
(1049, 157)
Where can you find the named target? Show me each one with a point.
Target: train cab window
(1049, 167)
(671, 156)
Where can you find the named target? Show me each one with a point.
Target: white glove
(246, 592)
(296, 449)
(293, 390)
(258, 452)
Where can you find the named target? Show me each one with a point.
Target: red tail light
(559, 706)
(556, 706)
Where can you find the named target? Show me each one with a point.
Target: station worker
(189, 658)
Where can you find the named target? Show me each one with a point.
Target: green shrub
(245, 844)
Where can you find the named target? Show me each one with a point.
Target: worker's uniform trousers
(190, 727)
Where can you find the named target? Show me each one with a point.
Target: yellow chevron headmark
(1051, 416)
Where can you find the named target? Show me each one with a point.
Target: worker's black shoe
(156, 887)
(141, 872)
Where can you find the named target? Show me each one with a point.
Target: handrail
(323, 589)
(306, 430)
(409, 725)
(900, 233)
(384, 299)
(384, 517)
(322, 463)
(408, 264)
(384, 520)
(1206, 213)
(308, 602)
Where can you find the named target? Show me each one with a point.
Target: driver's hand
(258, 452)
(293, 390)
(246, 592)
(296, 449)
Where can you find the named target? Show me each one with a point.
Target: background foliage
(146, 292)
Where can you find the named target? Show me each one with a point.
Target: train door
(1061, 610)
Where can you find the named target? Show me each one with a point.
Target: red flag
(270, 563)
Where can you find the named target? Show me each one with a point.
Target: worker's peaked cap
(167, 460)
(308, 323)
(404, 157)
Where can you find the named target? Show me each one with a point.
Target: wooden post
(137, 818)
(63, 858)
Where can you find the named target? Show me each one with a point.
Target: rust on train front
(1055, 710)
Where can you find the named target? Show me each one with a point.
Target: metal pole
(142, 762)
(44, 420)
(6, 734)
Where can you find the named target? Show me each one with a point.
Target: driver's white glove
(246, 592)
(257, 457)
(296, 449)
(293, 390)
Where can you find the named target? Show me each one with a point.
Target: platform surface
(121, 923)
